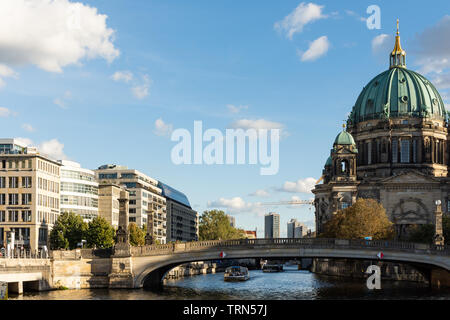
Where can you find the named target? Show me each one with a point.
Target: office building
(296, 229)
(272, 225)
(29, 195)
(79, 190)
(182, 220)
(145, 196)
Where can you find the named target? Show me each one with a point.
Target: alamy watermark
(374, 280)
(236, 146)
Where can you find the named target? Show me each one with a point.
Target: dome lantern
(397, 58)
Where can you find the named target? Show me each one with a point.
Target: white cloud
(442, 81)
(301, 186)
(162, 128)
(25, 141)
(142, 90)
(236, 109)
(317, 49)
(27, 127)
(355, 15)
(434, 47)
(56, 34)
(5, 112)
(6, 72)
(256, 124)
(237, 205)
(52, 148)
(62, 102)
(260, 193)
(302, 15)
(380, 42)
(125, 76)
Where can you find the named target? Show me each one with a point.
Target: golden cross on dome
(398, 27)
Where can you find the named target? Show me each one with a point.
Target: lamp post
(438, 232)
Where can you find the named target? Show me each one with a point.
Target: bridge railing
(23, 254)
(287, 242)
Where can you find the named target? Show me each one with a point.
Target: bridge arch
(151, 263)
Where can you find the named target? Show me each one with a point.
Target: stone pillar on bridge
(121, 275)
(438, 233)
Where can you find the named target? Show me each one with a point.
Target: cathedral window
(404, 151)
(394, 150)
(369, 152)
(414, 151)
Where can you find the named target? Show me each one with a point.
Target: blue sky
(111, 86)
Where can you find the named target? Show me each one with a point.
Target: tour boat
(236, 273)
(272, 267)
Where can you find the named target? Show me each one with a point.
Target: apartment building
(29, 195)
(145, 196)
(182, 220)
(79, 190)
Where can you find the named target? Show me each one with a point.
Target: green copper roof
(398, 92)
(344, 138)
(329, 162)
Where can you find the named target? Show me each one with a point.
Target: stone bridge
(134, 267)
(147, 265)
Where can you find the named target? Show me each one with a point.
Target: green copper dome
(398, 92)
(344, 138)
(329, 162)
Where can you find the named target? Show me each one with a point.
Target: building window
(2, 216)
(26, 198)
(369, 152)
(132, 210)
(2, 182)
(13, 216)
(132, 219)
(43, 235)
(394, 150)
(13, 199)
(2, 199)
(26, 182)
(404, 151)
(13, 182)
(26, 216)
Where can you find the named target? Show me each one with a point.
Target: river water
(288, 285)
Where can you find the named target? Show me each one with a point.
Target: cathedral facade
(394, 150)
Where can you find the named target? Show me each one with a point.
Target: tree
(423, 233)
(214, 225)
(68, 231)
(365, 218)
(137, 235)
(100, 233)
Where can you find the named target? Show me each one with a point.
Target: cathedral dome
(344, 138)
(398, 92)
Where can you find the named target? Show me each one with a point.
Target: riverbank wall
(357, 268)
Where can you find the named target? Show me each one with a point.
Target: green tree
(100, 233)
(214, 225)
(68, 231)
(137, 235)
(365, 218)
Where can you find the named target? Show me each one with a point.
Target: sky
(109, 81)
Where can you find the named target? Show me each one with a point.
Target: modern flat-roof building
(29, 195)
(296, 229)
(145, 196)
(272, 225)
(79, 190)
(182, 220)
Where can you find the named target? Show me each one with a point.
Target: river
(288, 285)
